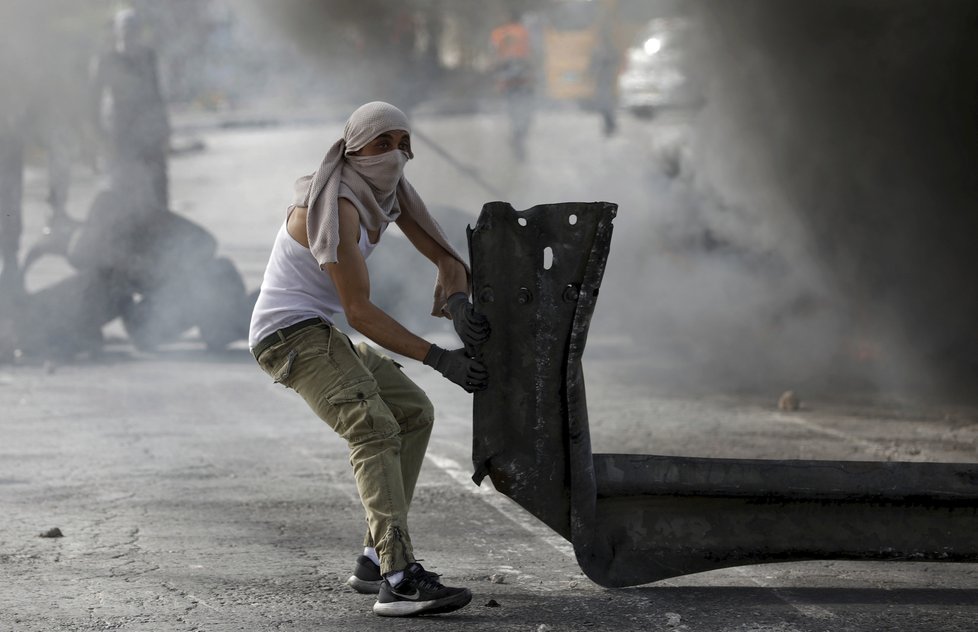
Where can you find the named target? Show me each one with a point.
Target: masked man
(316, 270)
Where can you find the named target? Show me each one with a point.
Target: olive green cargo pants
(384, 417)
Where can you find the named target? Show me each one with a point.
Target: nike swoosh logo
(411, 596)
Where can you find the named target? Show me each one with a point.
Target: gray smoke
(381, 49)
(852, 125)
(819, 235)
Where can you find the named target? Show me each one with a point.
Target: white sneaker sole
(415, 608)
(363, 586)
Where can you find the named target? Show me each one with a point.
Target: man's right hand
(457, 366)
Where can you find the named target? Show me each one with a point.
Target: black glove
(458, 367)
(472, 327)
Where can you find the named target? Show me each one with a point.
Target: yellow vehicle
(569, 37)
(567, 59)
(571, 32)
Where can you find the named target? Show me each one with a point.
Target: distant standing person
(11, 200)
(41, 107)
(39, 126)
(605, 63)
(513, 70)
(316, 270)
(14, 105)
(132, 116)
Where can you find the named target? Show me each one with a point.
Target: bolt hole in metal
(521, 221)
(572, 219)
(548, 258)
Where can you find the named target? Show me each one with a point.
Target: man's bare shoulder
(347, 208)
(295, 223)
(349, 221)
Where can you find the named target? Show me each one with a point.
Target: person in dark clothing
(11, 200)
(132, 116)
(605, 63)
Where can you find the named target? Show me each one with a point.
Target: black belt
(279, 335)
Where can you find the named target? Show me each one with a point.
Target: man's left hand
(471, 326)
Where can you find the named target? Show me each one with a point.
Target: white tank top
(294, 288)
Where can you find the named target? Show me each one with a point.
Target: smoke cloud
(813, 229)
(850, 127)
(820, 232)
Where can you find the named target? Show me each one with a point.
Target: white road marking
(202, 602)
(869, 446)
(806, 609)
(501, 503)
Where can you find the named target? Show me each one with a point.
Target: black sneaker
(366, 578)
(419, 592)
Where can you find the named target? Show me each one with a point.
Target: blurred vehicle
(654, 76)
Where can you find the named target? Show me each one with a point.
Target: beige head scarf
(338, 177)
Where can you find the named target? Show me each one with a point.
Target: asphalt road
(194, 494)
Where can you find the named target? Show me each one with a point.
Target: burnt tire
(212, 298)
(158, 317)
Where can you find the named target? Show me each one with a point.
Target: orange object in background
(511, 41)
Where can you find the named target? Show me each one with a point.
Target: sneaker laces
(426, 579)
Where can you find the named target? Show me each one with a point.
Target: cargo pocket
(354, 409)
(279, 365)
